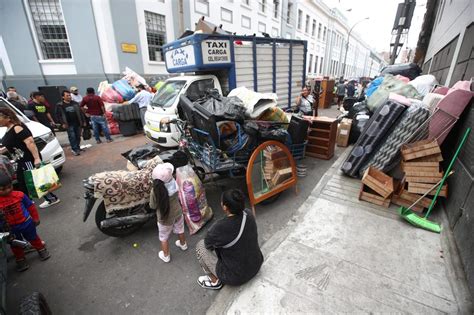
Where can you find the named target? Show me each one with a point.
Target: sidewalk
(340, 255)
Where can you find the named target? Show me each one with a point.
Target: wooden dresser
(321, 137)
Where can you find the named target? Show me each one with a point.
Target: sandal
(206, 283)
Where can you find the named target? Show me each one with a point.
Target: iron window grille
(50, 29)
(155, 35)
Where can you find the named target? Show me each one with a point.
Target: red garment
(17, 208)
(94, 105)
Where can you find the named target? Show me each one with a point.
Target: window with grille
(276, 7)
(50, 29)
(155, 35)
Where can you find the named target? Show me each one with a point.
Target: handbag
(42, 180)
(86, 133)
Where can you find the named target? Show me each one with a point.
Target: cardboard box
(343, 132)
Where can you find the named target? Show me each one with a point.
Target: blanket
(125, 189)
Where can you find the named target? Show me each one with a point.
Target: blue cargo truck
(224, 62)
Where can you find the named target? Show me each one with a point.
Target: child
(164, 198)
(21, 217)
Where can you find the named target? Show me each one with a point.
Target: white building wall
(236, 16)
(163, 8)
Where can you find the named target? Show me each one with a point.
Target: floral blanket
(125, 189)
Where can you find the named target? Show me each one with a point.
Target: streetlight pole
(347, 44)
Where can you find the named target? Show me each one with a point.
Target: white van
(164, 106)
(48, 145)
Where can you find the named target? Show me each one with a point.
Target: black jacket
(240, 262)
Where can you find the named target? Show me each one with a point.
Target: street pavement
(342, 255)
(91, 273)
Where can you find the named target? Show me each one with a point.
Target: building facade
(83, 42)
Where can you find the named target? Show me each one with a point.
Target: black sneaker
(76, 153)
(44, 254)
(22, 265)
(109, 140)
(99, 141)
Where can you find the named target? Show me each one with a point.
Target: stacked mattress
(387, 154)
(375, 130)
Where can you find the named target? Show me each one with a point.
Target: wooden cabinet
(327, 95)
(321, 137)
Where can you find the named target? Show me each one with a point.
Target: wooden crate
(423, 179)
(406, 203)
(432, 158)
(422, 188)
(378, 181)
(420, 149)
(371, 196)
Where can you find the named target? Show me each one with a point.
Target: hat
(163, 172)
(73, 88)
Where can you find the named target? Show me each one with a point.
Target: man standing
(14, 99)
(95, 109)
(40, 110)
(340, 92)
(70, 117)
(350, 89)
(21, 99)
(142, 99)
(76, 97)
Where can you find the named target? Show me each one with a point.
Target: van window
(199, 88)
(6, 104)
(167, 94)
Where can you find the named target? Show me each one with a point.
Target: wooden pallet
(422, 188)
(420, 149)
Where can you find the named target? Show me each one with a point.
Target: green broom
(423, 222)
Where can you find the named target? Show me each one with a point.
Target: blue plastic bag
(374, 85)
(124, 89)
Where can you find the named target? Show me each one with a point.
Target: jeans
(99, 122)
(142, 115)
(26, 231)
(74, 135)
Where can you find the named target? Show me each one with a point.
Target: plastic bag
(424, 83)
(391, 84)
(41, 181)
(124, 89)
(274, 114)
(192, 195)
(223, 108)
(113, 124)
(86, 133)
(409, 70)
(374, 85)
(6, 166)
(277, 134)
(144, 152)
(109, 95)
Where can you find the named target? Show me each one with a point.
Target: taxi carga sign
(215, 51)
(180, 57)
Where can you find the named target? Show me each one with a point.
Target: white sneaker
(183, 247)
(47, 204)
(162, 256)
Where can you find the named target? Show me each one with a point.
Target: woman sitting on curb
(230, 254)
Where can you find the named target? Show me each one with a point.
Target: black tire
(34, 304)
(271, 200)
(101, 215)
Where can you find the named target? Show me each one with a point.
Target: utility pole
(400, 27)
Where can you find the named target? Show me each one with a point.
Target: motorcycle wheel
(122, 231)
(34, 304)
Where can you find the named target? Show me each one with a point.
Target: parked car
(45, 140)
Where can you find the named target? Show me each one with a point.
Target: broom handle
(464, 138)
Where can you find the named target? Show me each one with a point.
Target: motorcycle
(122, 222)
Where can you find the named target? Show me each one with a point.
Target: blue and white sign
(215, 51)
(180, 57)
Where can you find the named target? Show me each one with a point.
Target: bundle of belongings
(235, 124)
(402, 112)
